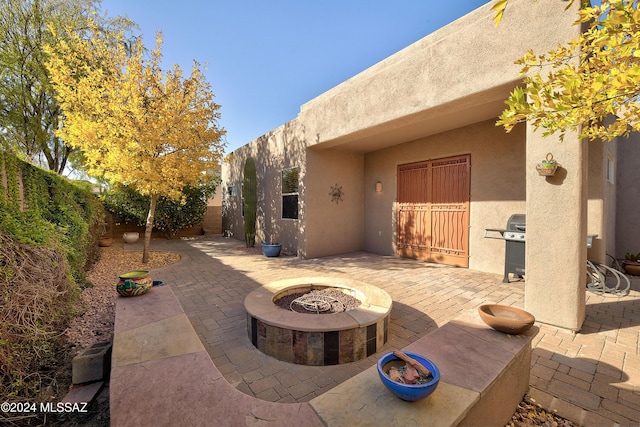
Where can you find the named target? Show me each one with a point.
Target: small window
(290, 183)
(232, 190)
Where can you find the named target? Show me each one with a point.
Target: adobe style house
(405, 159)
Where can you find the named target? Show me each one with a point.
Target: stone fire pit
(318, 339)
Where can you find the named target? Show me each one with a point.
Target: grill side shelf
(494, 233)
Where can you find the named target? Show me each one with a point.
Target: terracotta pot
(105, 242)
(506, 319)
(632, 268)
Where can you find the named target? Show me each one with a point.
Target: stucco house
(405, 159)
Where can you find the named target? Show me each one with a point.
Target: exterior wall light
(378, 187)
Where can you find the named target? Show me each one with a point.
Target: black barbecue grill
(514, 235)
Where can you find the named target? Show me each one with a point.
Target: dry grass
(36, 299)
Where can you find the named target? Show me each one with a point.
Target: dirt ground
(96, 325)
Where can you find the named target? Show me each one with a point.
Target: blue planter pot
(408, 392)
(271, 249)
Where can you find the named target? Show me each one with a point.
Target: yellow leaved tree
(136, 125)
(590, 79)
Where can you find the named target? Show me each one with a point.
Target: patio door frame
(432, 212)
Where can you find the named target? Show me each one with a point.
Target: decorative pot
(632, 267)
(105, 242)
(134, 283)
(131, 236)
(271, 249)
(408, 392)
(506, 319)
(548, 166)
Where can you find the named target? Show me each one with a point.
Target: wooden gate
(433, 210)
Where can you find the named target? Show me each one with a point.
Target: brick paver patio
(592, 377)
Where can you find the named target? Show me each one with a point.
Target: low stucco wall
(497, 186)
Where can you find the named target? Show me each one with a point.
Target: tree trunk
(149, 229)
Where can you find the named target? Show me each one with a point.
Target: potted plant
(631, 263)
(130, 236)
(271, 248)
(105, 240)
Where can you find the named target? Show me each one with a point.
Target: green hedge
(54, 209)
(128, 206)
(49, 228)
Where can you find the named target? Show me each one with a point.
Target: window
(232, 190)
(290, 182)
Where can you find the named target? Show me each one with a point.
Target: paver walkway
(592, 378)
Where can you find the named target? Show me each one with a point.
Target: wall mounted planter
(548, 166)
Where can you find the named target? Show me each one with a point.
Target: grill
(514, 236)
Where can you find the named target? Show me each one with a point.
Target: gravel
(96, 325)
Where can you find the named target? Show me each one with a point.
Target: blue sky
(266, 58)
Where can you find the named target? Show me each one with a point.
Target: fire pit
(331, 335)
(319, 301)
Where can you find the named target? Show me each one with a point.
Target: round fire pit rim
(259, 304)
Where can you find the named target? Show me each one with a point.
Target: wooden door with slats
(433, 210)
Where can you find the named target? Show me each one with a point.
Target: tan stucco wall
(601, 203)
(556, 231)
(281, 148)
(497, 186)
(330, 227)
(628, 192)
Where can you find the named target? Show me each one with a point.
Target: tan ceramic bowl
(504, 318)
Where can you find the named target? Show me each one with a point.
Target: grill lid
(517, 222)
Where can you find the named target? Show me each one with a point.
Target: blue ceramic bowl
(408, 392)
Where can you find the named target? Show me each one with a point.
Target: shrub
(171, 216)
